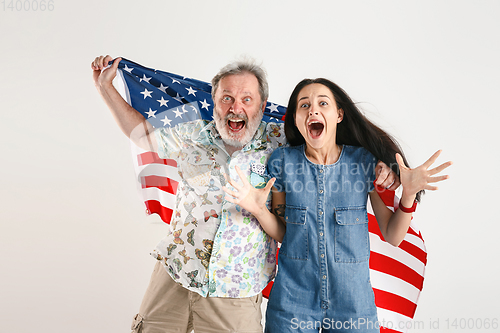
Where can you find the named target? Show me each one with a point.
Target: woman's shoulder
(293, 149)
(288, 150)
(286, 154)
(357, 153)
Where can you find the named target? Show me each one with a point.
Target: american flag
(166, 99)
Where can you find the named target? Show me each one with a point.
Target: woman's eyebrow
(305, 97)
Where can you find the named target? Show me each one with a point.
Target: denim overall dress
(323, 279)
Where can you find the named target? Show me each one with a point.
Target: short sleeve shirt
(214, 247)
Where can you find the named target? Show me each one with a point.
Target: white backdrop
(74, 237)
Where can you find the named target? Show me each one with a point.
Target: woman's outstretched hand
(421, 178)
(248, 197)
(394, 226)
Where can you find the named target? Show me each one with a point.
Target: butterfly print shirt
(214, 247)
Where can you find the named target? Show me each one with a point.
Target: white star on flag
(151, 113)
(177, 113)
(273, 108)
(204, 104)
(178, 98)
(175, 81)
(145, 78)
(166, 121)
(163, 102)
(184, 108)
(163, 88)
(147, 93)
(128, 69)
(191, 91)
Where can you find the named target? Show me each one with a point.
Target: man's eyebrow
(249, 93)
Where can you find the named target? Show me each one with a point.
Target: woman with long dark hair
(322, 182)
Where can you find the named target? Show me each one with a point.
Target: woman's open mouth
(315, 129)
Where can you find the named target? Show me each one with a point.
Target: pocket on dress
(296, 241)
(351, 234)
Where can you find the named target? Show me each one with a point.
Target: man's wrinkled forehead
(243, 83)
(230, 91)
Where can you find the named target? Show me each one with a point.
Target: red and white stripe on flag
(158, 181)
(396, 273)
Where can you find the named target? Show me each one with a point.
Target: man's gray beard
(250, 128)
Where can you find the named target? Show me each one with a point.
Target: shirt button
(320, 212)
(321, 171)
(321, 234)
(322, 255)
(320, 191)
(324, 277)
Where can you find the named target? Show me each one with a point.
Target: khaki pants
(168, 307)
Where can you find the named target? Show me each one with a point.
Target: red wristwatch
(408, 210)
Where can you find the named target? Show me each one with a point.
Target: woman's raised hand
(246, 196)
(421, 178)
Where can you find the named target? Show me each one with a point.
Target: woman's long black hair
(354, 129)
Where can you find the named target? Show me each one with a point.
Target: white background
(74, 237)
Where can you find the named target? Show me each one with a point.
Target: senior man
(216, 259)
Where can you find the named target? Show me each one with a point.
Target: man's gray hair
(240, 67)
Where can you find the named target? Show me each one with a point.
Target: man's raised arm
(130, 121)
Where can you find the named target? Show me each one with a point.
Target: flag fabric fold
(166, 99)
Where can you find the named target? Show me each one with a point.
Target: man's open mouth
(236, 125)
(315, 129)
